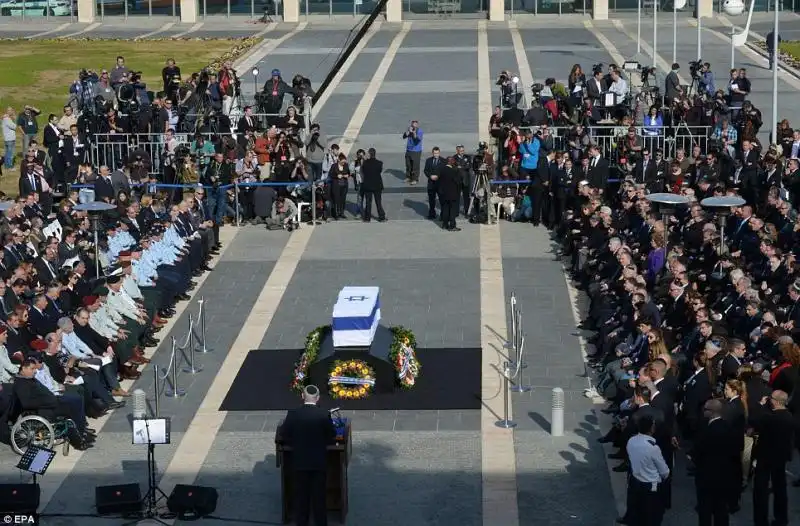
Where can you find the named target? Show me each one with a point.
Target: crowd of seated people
(73, 326)
(694, 308)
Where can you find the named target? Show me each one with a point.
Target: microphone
(334, 410)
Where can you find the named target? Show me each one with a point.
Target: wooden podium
(336, 487)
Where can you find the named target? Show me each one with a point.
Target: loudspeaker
(119, 499)
(19, 498)
(192, 502)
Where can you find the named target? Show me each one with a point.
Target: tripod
(480, 193)
(154, 493)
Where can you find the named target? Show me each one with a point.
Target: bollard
(203, 349)
(139, 404)
(506, 423)
(175, 392)
(557, 416)
(158, 395)
(192, 368)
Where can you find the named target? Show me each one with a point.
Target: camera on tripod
(645, 72)
(694, 68)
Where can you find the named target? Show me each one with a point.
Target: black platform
(376, 356)
(450, 379)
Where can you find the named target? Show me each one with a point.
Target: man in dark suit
(433, 165)
(103, 189)
(46, 267)
(773, 449)
(449, 191)
(714, 455)
(309, 431)
(372, 186)
(598, 169)
(74, 152)
(40, 322)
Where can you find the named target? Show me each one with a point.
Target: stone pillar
(394, 11)
(704, 9)
(600, 10)
(86, 11)
(497, 10)
(189, 9)
(291, 10)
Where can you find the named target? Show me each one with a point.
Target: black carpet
(450, 379)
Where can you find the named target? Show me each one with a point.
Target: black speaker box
(19, 498)
(119, 499)
(189, 502)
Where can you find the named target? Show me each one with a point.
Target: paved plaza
(270, 288)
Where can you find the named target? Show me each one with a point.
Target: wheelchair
(28, 428)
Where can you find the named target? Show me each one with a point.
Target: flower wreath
(351, 379)
(313, 342)
(403, 356)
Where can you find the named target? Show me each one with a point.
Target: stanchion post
(557, 415)
(520, 341)
(203, 349)
(156, 379)
(236, 199)
(506, 423)
(175, 392)
(512, 342)
(518, 386)
(192, 368)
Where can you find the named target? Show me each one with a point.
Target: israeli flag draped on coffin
(356, 316)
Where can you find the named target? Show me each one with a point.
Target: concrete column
(704, 9)
(86, 11)
(497, 10)
(600, 10)
(394, 11)
(189, 11)
(291, 10)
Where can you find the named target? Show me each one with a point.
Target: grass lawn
(39, 72)
(793, 48)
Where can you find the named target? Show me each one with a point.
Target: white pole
(655, 31)
(674, 32)
(639, 27)
(775, 78)
(733, 49)
(699, 35)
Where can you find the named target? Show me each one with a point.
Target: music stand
(667, 204)
(151, 431)
(95, 209)
(36, 460)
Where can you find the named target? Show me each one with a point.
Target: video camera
(645, 72)
(694, 67)
(597, 68)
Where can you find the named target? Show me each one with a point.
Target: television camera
(694, 68)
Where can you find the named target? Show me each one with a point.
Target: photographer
(705, 80)
(229, 86)
(299, 171)
(202, 149)
(301, 88)
(316, 145)
(284, 212)
(218, 173)
(272, 95)
(464, 166)
(171, 79)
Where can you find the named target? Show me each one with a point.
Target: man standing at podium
(309, 431)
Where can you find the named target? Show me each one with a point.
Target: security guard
(648, 471)
(464, 165)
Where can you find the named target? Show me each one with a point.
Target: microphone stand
(154, 493)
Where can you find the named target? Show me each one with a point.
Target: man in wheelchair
(37, 392)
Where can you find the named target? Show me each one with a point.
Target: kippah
(311, 390)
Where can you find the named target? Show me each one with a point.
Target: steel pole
(506, 423)
(156, 379)
(699, 36)
(775, 78)
(638, 27)
(674, 32)
(655, 32)
(733, 49)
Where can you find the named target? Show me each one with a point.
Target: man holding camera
(413, 137)
(284, 212)
(464, 165)
(218, 173)
(316, 145)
